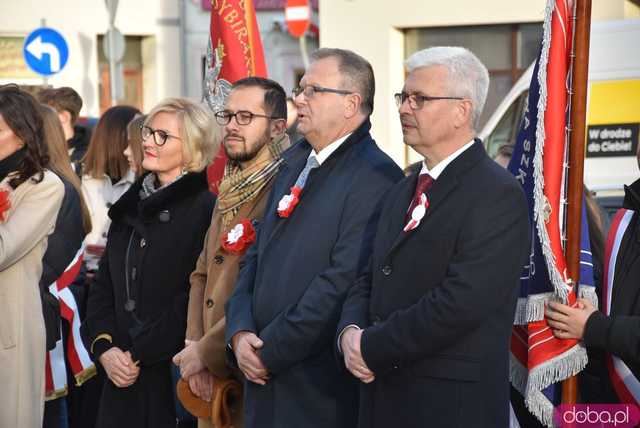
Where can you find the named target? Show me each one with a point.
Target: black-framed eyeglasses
(159, 136)
(243, 117)
(416, 101)
(310, 90)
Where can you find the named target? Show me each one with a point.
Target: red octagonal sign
(298, 15)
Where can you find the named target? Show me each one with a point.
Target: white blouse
(100, 194)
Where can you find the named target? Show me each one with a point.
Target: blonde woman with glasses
(137, 309)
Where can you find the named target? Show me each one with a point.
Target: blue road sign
(45, 51)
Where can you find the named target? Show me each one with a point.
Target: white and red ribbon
(76, 354)
(417, 214)
(626, 385)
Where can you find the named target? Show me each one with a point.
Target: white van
(613, 109)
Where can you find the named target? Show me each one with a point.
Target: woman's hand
(567, 322)
(120, 368)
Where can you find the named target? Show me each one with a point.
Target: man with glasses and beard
(312, 245)
(254, 123)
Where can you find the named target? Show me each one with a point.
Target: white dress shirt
(323, 154)
(440, 166)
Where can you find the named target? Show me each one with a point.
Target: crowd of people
(320, 287)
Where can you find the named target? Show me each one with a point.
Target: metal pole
(183, 47)
(113, 69)
(112, 8)
(45, 79)
(303, 50)
(579, 77)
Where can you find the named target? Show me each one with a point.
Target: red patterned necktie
(424, 184)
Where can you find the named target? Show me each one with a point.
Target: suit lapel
(293, 163)
(295, 159)
(401, 204)
(437, 195)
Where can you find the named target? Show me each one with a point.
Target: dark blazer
(153, 244)
(438, 302)
(619, 333)
(294, 279)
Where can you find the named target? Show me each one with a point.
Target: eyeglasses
(159, 136)
(416, 101)
(243, 117)
(310, 90)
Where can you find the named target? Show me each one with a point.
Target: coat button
(209, 303)
(164, 216)
(377, 320)
(386, 270)
(143, 243)
(218, 259)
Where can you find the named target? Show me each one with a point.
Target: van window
(507, 129)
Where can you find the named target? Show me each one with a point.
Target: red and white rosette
(5, 204)
(239, 238)
(418, 213)
(289, 202)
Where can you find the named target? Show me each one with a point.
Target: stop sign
(298, 15)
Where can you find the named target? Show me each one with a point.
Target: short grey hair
(468, 77)
(357, 74)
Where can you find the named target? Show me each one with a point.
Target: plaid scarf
(239, 186)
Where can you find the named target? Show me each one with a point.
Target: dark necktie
(424, 184)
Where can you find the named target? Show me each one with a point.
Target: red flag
(539, 360)
(236, 53)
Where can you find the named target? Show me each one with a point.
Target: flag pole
(579, 77)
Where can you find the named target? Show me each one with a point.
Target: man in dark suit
(427, 328)
(314, 241)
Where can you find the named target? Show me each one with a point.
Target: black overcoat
(619, 333)
(438, 302)
(153, 244)
(294, 279)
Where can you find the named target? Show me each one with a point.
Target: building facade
(166, 43)
(505, 34)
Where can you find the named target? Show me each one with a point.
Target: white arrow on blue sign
(45, 51)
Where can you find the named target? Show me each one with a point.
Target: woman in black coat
(137, 309)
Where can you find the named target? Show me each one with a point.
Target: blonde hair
(200, 134)
(59, 161)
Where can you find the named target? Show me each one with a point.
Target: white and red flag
(75, 354)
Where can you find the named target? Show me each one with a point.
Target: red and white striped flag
(76, 354)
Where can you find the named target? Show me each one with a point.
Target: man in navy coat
(315, 240)
(427, 328)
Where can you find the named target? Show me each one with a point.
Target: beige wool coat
(212, 284)
(23, 241)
